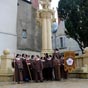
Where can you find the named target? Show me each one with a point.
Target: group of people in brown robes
(26, 68)
(38, 69)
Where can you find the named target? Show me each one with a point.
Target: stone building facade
(62, 42)
(18, 30)
(28, 32)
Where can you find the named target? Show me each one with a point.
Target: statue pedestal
(6, 73)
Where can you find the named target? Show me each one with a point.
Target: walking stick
(29, 71)
(59, 69)
(59, 73)
(14, 68)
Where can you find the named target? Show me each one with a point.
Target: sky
(54, 3)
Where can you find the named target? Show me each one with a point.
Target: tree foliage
(75, 14)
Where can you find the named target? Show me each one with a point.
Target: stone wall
(26, 20)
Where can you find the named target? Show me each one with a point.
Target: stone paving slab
(70, 83)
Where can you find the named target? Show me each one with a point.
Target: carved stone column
(45, 16)
(44, 30)
(46, 20)
(49, 44)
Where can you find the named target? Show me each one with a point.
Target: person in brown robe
(26, 65)
(56, 65)
(45, 67)
(43, 71)
(28, 62)
(18, 69)
(38, 67)
(49, 67)
(64, 74)
(25, 71)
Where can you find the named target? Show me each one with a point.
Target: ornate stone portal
(45, 17)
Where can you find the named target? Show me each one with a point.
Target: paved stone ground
(69, 83)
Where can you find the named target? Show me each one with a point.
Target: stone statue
(45, 3)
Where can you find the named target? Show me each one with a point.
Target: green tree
(75, 14)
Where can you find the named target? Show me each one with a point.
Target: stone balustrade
(81, 63)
